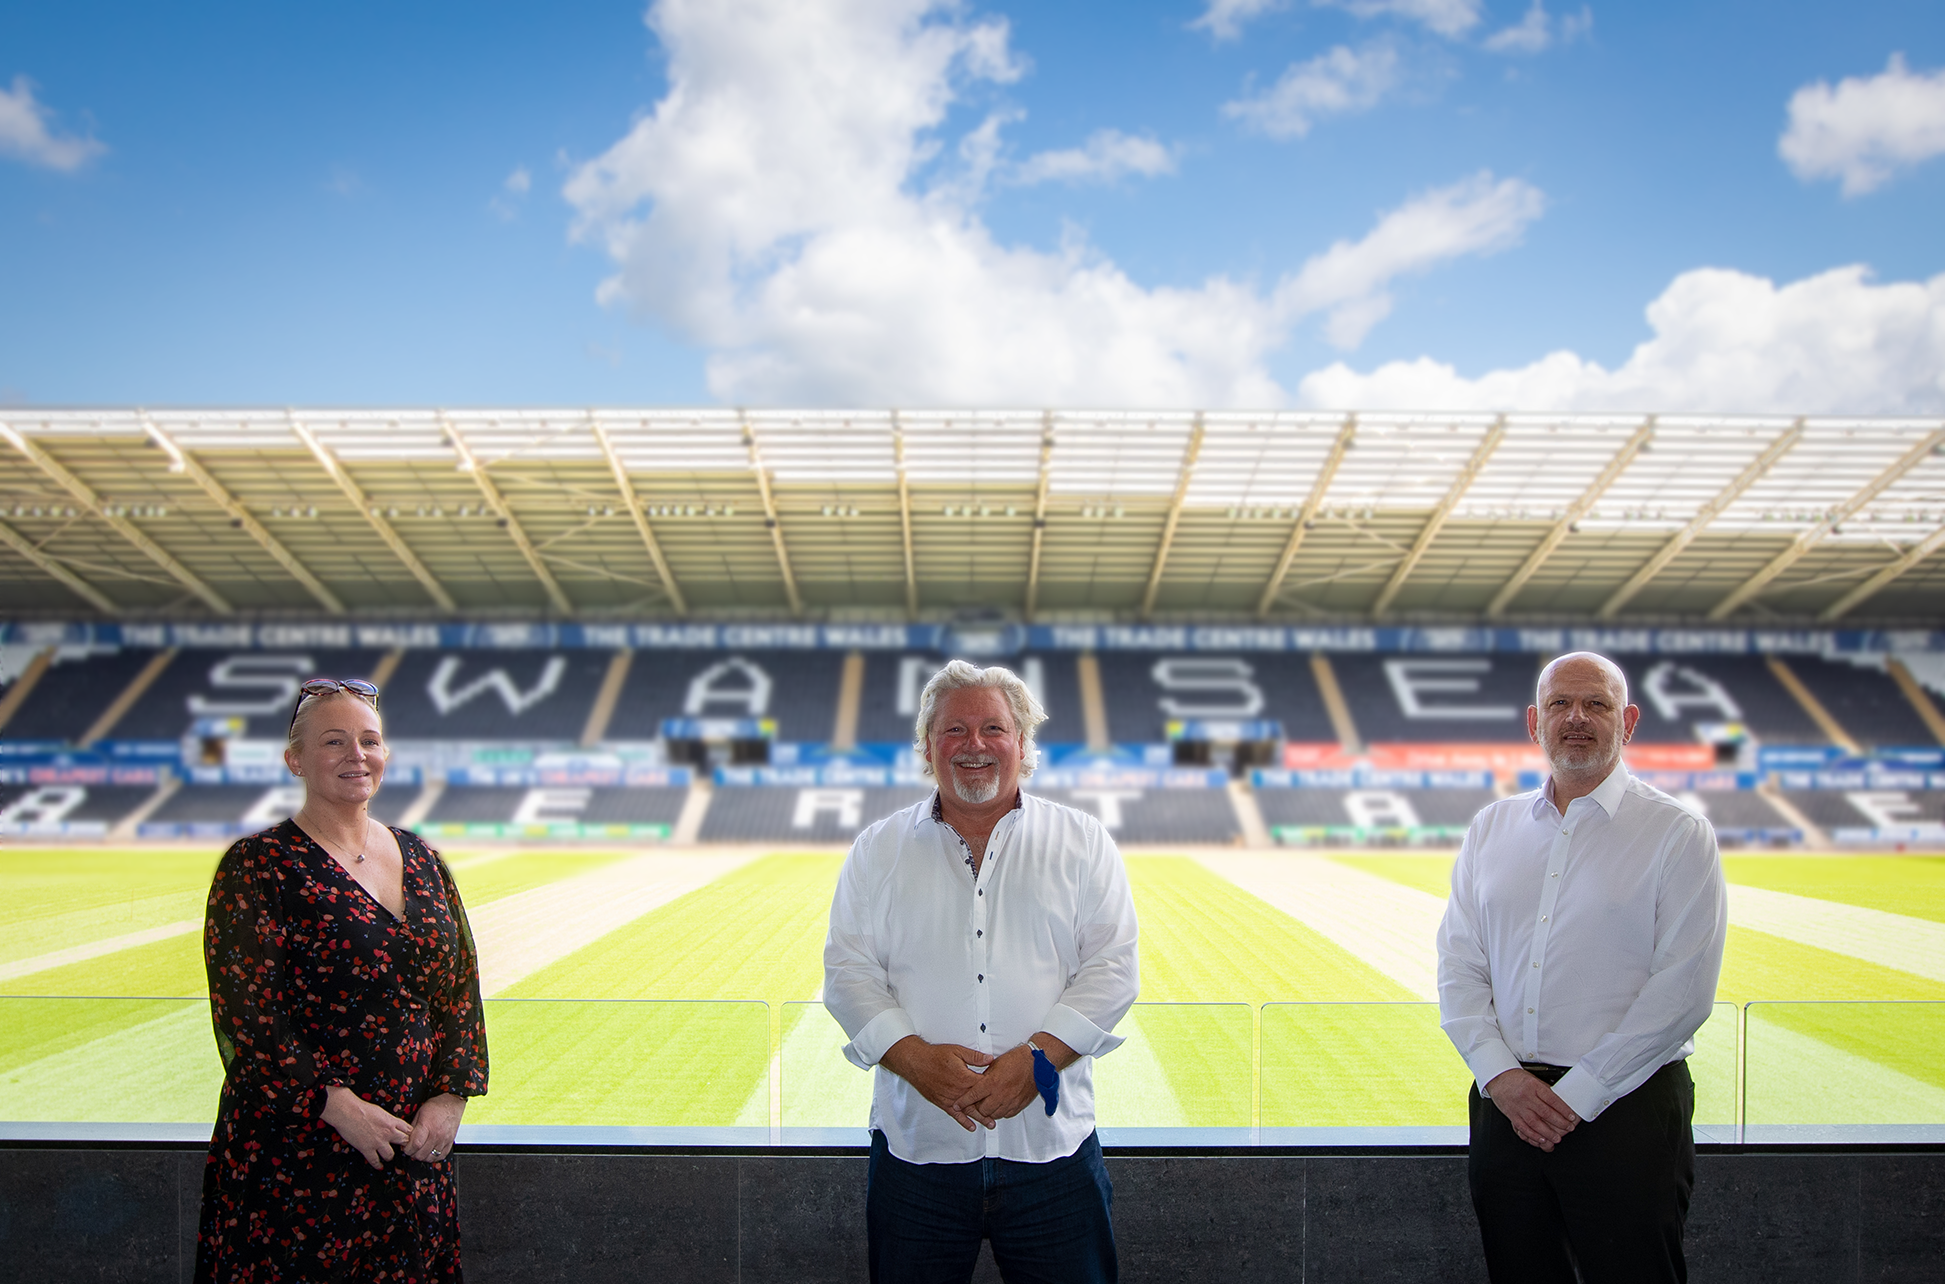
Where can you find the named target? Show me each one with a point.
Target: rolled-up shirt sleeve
(1691, 926)
(1465, 988)
(857, 983)
(1108, 980)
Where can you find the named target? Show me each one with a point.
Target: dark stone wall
(129, 1214)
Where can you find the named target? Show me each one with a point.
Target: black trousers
(1610, 1200)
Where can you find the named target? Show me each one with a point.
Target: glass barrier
(1360, 1065)
(640, 1063)
(108, 1060)
(1860, 1071)
(573, 1063)
(1184, 1065)
(1716, 1067)
(1389, 1065)
(820, 1088)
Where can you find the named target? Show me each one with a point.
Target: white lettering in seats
(1228, 691)
(1413, 679)
(445, 699)
(703, 691)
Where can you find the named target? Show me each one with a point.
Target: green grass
(664, 1021)
(1910, 885)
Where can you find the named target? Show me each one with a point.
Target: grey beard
(1560, 758)
(974, 795)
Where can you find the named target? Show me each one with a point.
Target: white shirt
(1591, 940)
(1042, 939)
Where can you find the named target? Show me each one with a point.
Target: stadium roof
(1068, 514)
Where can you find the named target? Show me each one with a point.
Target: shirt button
(1549, 876)
(980, 932)
(982, 976)
(1529, 1011)
(982, 1027)
(1536, 965)
(1543, 918)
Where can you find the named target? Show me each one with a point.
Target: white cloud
(1351, 279)
(1447, 17)
(1538, 31)
(1107, 155)
(1866, 128)
(774, 209)
(520, 181)
(1724, 341)
(1336, 83)
(1224, 19)
(24, 133)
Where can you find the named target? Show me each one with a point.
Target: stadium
(645, 674)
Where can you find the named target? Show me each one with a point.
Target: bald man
(1578, 956)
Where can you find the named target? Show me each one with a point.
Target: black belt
(1549, 1075)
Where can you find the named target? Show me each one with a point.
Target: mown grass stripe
(1909, 885)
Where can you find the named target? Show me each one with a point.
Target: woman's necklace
(359, 858)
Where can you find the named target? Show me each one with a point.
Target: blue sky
(894, 202)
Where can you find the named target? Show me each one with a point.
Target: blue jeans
(1048, 1222)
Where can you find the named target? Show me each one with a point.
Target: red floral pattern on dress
(311, 983)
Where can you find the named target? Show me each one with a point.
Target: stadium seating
(1865, 702)
(528, 696)
(227, 811)
(798, 689)
(893, 680)
(258, 687)
(1372, 809)
(1155, 815)
(68, 810)
(819, 814)
(1873, 815)
(76, 689)
(1743, 817)
(570, 811)
(1145, 691)
(1472, 699)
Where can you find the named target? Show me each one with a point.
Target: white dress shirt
(1591, 940)
(1042, 939)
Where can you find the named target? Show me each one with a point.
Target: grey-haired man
(982, 947)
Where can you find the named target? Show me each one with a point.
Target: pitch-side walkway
(520, 934)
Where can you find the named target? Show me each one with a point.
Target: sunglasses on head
(329, 686)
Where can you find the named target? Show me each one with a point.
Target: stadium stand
(561, 811)
(1475, 699)
(1743, 817)
(77, 689)
(819, 814)
(893, 680)
(226, 811)
(798, 689)
(1676, 695)
(1865, 702)
(1874, 815)
(1145, 692)
(493, 695)
(1372, 810)
(67, 810)
(1155, 815)
(259, 687)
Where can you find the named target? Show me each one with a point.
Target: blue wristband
(1045, 1078)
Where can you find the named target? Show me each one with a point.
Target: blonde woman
(345, 995)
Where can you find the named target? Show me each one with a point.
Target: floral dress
(311, 983)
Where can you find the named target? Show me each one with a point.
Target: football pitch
(665, 987)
